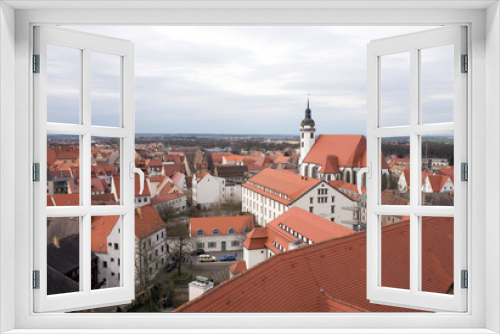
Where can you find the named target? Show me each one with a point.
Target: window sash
(414, 298)
(86, 297)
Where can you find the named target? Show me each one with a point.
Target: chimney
(56, 242)
(139, 212)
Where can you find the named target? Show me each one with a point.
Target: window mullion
(85, 176)
(414, 170)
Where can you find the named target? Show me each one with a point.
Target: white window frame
(484, 49)
(87, 43)
(412, 44)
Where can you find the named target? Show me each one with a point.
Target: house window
(311, 209)
(235, 243)
(212, 245)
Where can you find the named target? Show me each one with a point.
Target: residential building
(211, 190)
(220, 233)
(237, 173)
(176, 201)
(293, 229)
(151, 252)
(272, 192)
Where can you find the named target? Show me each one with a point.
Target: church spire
(308, 121)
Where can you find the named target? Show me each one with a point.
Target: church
(330, 157)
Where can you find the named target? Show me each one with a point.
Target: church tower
(307, 134)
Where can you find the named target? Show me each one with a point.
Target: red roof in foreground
(207, 224)
(331, 276)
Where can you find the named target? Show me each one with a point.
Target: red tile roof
(207, 224)
(288, 184)
(101, 228)
(256, 239)
(166, 198)
(238, 268)
(308, 224)
(147, 221)
(447, 171)
(307, 279)
(437, 182)
(49, 201)
(51, 156)
(349, 150)
(66, 199)
(390, 198)
(348, 189)
(116, 180)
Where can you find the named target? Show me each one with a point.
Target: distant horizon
(230, 80)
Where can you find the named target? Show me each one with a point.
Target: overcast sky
(246, 80)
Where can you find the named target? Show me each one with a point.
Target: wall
(219, 239)
(254, 256)
(7, 171)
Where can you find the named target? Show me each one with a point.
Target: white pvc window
(78, 268)
(425, 69)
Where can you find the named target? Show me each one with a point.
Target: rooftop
(306, 279)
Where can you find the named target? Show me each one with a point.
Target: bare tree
(180, 242)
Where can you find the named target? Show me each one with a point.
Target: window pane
(437, 254)
(395, 171)
(105, 170)
(437, 77)
(395, 252)
(63, 168)
(106, 251)
(395, 89)
(63, 84)
(105, 89)
(437, 170)
(63, 255)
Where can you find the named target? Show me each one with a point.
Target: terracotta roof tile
(287, 184)
(147, 221)
(349, 150)
(309, 225)
(207, 224)
(66, 199)
(238, 268)
(101, 228)
(166, 198)
(348, 189)
(307, 280)
(256, 239)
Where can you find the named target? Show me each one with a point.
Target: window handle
(365, 170)
(135, 170)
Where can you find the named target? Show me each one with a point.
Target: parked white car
(206, 258)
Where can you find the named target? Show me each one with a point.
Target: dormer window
(199, 232)
(231, 230)
(215, 231)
